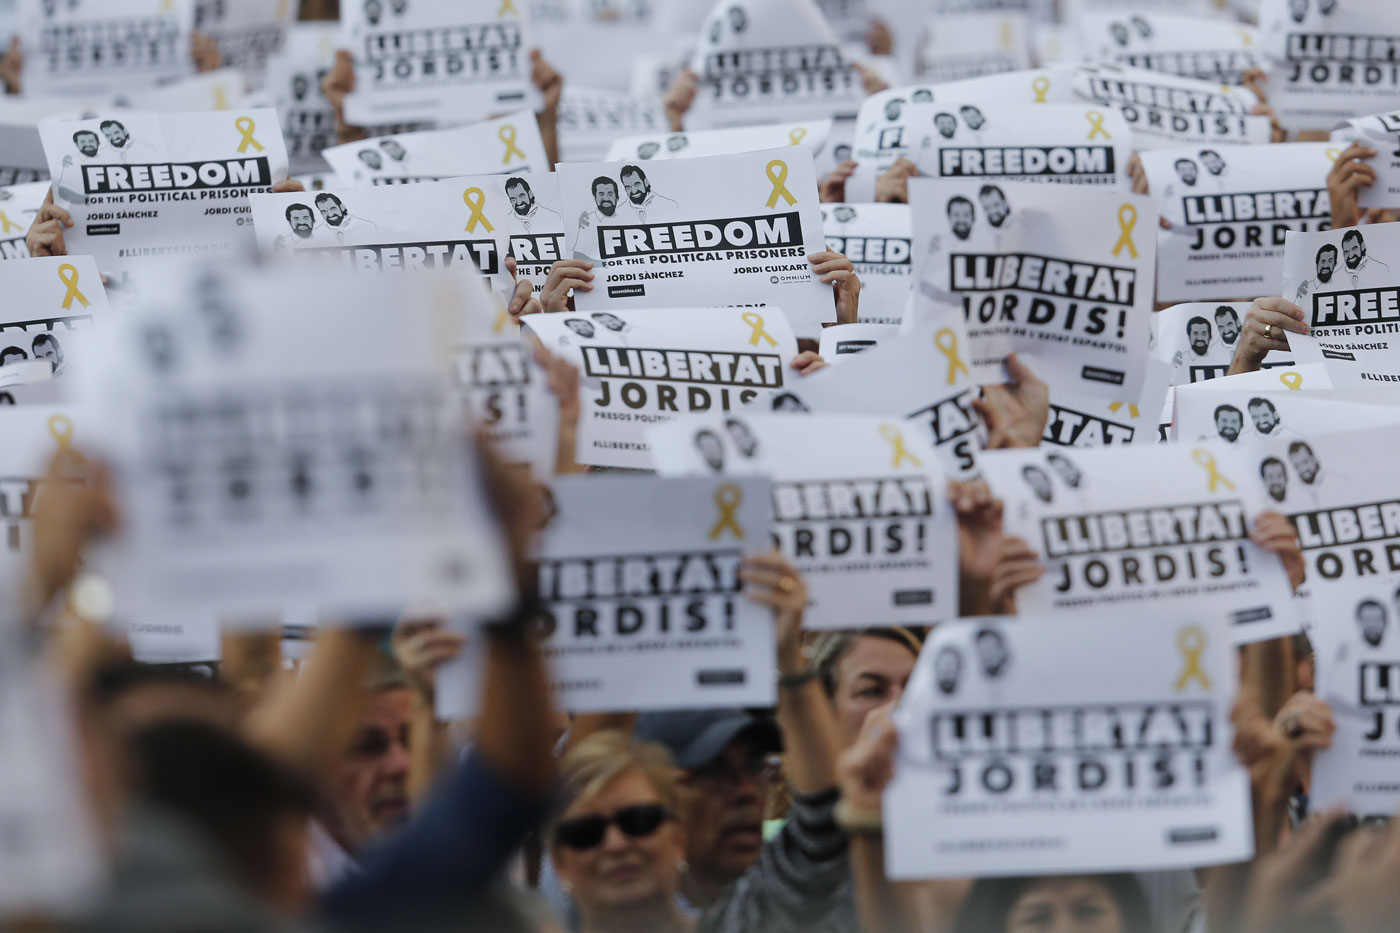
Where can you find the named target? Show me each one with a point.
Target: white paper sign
(726, 230)
(859, 506)
(21, 151)
(294, 79)
(1230, 209)
(643, 368)
(1084, 421)
(55, 302)
(33, 434)
(534, 221)
(914, 379)
(1165, 110)
(142, 185)
(1108, 538)
(1382, 133)
(840, 340)
(247, 32)
(416, 61)
(1331, 61)
(1348, 284)
(19, 205)
(1068, 745)
(90, 47)
(1061, 275)
(280, 462)
(876, 238)
(1200, 338)
(956, 47)
(508, 144)
(1219, 411)
(688, 145)
(650, 615)
(589, 120)
(1216, 51)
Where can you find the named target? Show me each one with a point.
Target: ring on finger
(1269, 330)
(787, 584)
(1292, 727)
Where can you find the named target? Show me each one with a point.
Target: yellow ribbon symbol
(1008, 38)
(69, 275)
(727, 497)
(1096, 124)
(221, 98)
(796, 136)
(1041, 86)
(61, 429)
(502, 319)
(245, 126)
(1127, 220)
(1204, 458)
(1294, 381)
(1191, 642)
(896, 438)
(1332, 154)
(475, 198)
(1245, 38)
(507, 6)
(1132, 408)
(9, 224)
(755, 321)
(947, 341)
(507, 136)
(779, 180)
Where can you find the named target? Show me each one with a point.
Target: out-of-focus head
(370, 790)
(863, 670)
(1069, 904)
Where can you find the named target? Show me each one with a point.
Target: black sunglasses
(587, 832)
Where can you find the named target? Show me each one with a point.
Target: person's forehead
(628, 788)
(388, 707)
(875, 655)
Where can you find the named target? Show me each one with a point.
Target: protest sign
(850, 18)
(21, 151)
(54, 304)
(1330, 61)
(1065, 143)
(1084, 421)
(88, 47)
(919, 378)
(1059, 275)
(1219, 52)
(1230, 210)
(589, 120)
(506, 145)
(643, 368)
(959, 46)
(452, 62)
(1220, 411)
(1357, 654)
(437, 225)
(1381, 132)
(726, 230)
(1200, 338)
(33, 435)
(313, 462)
(248, 32)
(840, 340)
(534, 221)
(294, 80)
(1047, 746)
(658, 146)
(144, 184)
(876, 239)
(1108, 539)
(769, 63)
(1164, 110)
(1343, 281)
(859, 506)
(653, 616)
(19, 205)
(220, 89)
(592, 41)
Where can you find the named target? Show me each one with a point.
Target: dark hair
(959, 199)
(1205, 152)
(106, 123)
(1220, 408)
(944, 113)
(1324, 248)
(44, 338)
(1355, 233)
(299, 207)
(1190, 162)
(1370, 602)
(1226, 309)
(988, 905)
(1260, 400)
(1274, 460)
(518, 182)
(1299, 445)
(830, 647)
(991, 189)
(8, 350)
(1197, 319)
(969, 107)
(632, 170)
(603, 180)
(92, 133)
(327, 196)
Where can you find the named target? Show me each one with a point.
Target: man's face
(893, 109)
(399, 6)
(1229, 326)
(47, 350)
(960, 216)
(1372, 621)
(610, 321)
(722, 812)
(302, 223)
(972, 117)
(371, 786)
(116, 134)
(1120, 33)
(637, 188)
(738, 20)
(996, 208)
(946, 668)
(1213, 163)
(1264, 417)
(332, 211)
(88, 144)
(991, 652)
(522, 199)
(1068, 471)
(396, 151)
(300, 87)
(711, 449)
(1304, 463)
(1325, 7)
(1199, 335)
(1040, 483)
(371, 158)
(582, 328)
(947, 126)
(1228, 424)
(647, 150)
(743, 439)
(1352, 251)
(873, 673)
(1186, 171)
(373, 11)
(605, 196)
(13, 355)
(1298, 9)
(1276, 479)
(677, 143)
(1326, 264)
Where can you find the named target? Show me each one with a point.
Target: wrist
(857, 819)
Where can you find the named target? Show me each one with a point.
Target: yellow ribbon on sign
(61, 428)
(896, 438)
(755, 320)
(246, 126)
(1246, 38)
(9, 224)
(475, 198)
(796, 136)
(1041, 86)
(1127, 220)
(947, 341)
(507, 136)
(727, 497)
(779, 180)
(1191, 642)
(1132, 408)
(69, 275)
(1207, 461)
(1008, 37)
(1332, 154)
(1294, 381)
(220, 97)
(507, 6)
(1095, 118)
(502, 319)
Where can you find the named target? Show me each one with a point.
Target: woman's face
(871, 674)
(620, 870)
(1065, 905)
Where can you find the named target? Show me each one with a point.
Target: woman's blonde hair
(604, 757)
